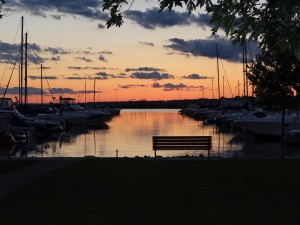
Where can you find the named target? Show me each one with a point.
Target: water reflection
(130, 134)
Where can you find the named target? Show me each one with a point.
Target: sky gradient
(153, 56)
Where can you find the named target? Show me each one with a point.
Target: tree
(276, 80)
(1, 3)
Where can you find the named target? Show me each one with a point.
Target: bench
(182, 143)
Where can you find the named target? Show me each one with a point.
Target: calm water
(130, 134)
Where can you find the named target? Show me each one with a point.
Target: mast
(21, 63)
(247, 85)
(42, 100)
(94, 90)
(218, 71)
(85, 92)
(246, 92)
(26, 68)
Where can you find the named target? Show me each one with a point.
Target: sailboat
(17, 119)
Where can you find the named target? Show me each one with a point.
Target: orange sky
(147, 58)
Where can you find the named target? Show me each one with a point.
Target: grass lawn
(8, 166)
(160, 192)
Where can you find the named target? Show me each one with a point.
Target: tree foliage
(1, 3)
(275, 77)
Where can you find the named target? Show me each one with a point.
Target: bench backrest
(182, 143)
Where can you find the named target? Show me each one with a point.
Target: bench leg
(208, 154)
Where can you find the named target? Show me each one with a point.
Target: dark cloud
(84, 59)
(94, 68)
(127, 86)
(152, 69)
(146, 43)
(56, 51)
(103, 75)
(194, 77)
(156, 85)
(105, 52)
(15, 91)
(55, 58)
(207, 48)
(34, 47)
(102, 58)
(44, 77)
(74, 67)
(9, 53)
(75, 78)
(91, 8)
(35, 59)
(121, 76)
(151, 75)
(169, 86)
(57, 17)
(174, 86)
(152, 18)
(62, 91)
(101, 26)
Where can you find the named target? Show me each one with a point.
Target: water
(130, 134)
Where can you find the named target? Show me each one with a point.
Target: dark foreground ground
(158, 192)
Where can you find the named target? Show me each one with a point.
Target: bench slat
(182, 143)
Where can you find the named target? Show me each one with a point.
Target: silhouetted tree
(276, 81)
(1, 3)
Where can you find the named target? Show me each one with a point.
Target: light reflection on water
(130, 134)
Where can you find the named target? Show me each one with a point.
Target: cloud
(101, 26)
(156, 85)
(94, 68)
(143, 69)
(9, 53)
(55, 58)
(194, 77)
(151, 75)
(127, 86)
(174, 86)
(169, 86)
(84, 59)
(105, 53)
(57, 17)
(30, 91)
(147, 43)
(32, 77)
(35, 59)
(207, 48)
(62, 91)
(77, 76)
(56, 51)
(102, 58)
(91, 8)
(74, 67)
(152, 18)
(103, 75)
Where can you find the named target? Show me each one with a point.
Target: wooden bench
(182, 143)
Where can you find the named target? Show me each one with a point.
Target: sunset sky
(153, 56)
